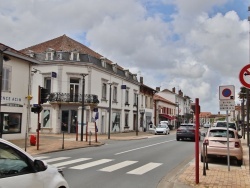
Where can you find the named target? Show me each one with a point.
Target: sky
(195, 46)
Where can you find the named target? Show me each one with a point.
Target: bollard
(90, 133)
(63, 141)
(204, 158)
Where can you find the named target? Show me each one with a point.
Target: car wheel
(239, 162)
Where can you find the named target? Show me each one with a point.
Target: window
(115, 122)
(146, 101)
(74, 89)
(11, 122)
(135, 99)
(74, 56)
(115, 94)
(126, 119)
(46, 119)
(127, 97)
(6, 79)
(104, 91)
(49, 56)
(47, 84)
(59, 56)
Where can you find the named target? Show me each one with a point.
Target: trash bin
(32, 140)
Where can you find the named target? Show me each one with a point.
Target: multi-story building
(15, 96)
(84, 87)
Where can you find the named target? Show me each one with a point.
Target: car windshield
(162, 126)
(224, 124)
(221, 133)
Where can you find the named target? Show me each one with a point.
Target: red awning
(168, 116)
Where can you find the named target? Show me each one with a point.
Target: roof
(159, 98)
(12, 52)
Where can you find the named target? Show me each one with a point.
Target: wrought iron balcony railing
(77, 98)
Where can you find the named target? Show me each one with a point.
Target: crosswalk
(84, 163)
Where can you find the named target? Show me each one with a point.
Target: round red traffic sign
(244, 76)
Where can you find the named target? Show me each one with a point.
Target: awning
(167, 116)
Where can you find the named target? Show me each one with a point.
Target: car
(186, 131)
(224, 124)
(206, 125)
(216, 140)
(162, 129)
(19, 169)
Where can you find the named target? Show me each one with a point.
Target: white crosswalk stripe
(117, 166)
(91, 164)
(64, 161)
(145, 168)
(55, 159)
(61, 164)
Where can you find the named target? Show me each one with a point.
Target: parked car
(186, 131)
(162, 129)
(206, 125)
(224, 124)
(19, 169)
(216, 140)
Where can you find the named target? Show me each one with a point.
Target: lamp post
(83, 98)
(137, 114)
(110, 84)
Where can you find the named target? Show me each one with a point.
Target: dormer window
(59, 56)
(103, 61)
(31, 53)
(49, 55)
(74, 56)
(126, 73)
(114, 67)
(134, 76)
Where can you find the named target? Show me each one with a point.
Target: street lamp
(137, 114)
(83, 98)
(110, 84)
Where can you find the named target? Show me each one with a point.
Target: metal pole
(137, 115)
(110, 84)
(197, 124)
(83, 98)
(38, 118)
(228, 152)
(243, 118)
(247, 96)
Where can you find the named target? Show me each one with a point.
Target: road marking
(145, 168)
(144, 147)
(41, 157)
(91, 164)
(117, 166)
(70, 162)
(55, 159)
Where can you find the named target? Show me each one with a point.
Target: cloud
(197, 50)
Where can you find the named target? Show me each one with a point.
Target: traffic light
(36, 108)
(44, 95)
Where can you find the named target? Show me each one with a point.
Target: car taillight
(237, 144)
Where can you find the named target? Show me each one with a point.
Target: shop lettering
(13, 99)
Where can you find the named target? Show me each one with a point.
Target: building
(15, 95)
(84, 87)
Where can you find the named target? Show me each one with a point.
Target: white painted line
(145, 168)
(91, 164)
(41, 157)
(70, 162)
(144, 147)
(55, 159)
(118, 166)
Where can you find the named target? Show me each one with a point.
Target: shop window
(6, 79)
(11, 122)
(46, 119)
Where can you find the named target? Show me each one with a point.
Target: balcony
(89, 99)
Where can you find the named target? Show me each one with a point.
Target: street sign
(227, 105)
(226, 92)
(244, 76)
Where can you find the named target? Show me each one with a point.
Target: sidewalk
(217, 175)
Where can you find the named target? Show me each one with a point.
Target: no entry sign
(244, 76)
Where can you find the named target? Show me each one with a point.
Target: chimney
(180, 92)
(173, 89)
(141, 80)
(158, 89)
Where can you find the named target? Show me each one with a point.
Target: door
(74, 89)
(65, 121)
(73, 121)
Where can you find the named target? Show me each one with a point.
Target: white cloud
(195, 51)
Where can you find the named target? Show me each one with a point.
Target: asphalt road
(122, 164)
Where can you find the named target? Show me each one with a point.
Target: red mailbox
(32, 140)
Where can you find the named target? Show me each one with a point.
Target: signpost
(226, 97)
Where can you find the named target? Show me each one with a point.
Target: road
(134, 163)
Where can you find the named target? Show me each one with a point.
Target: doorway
(69, 121)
